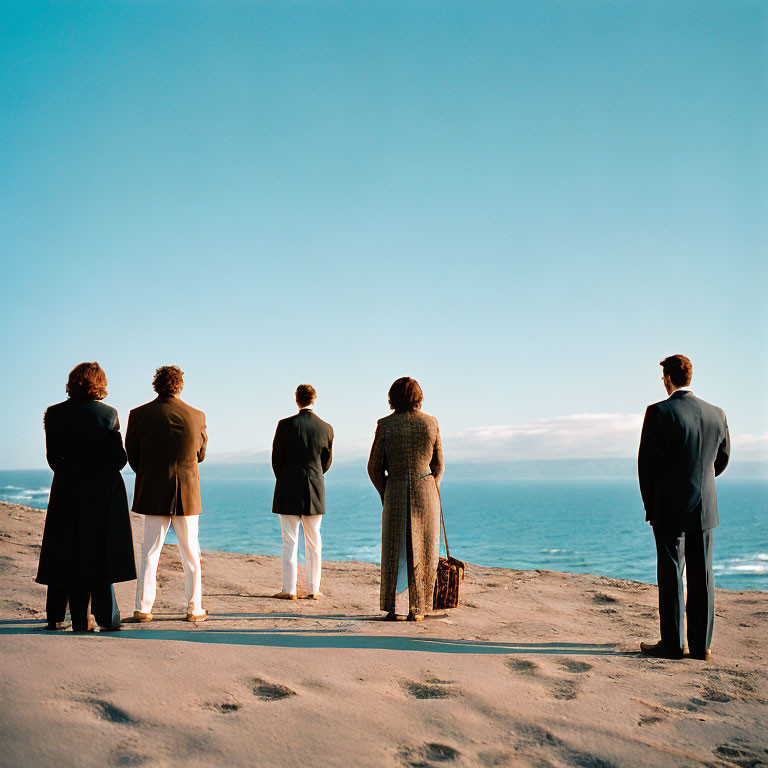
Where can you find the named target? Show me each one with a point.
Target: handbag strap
(442, 521)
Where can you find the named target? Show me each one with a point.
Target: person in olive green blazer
(165, 442)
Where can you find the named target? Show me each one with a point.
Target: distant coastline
(528, 469)
(477, 469)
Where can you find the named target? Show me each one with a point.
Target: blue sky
(524, 205)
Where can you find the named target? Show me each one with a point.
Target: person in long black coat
(87, 541)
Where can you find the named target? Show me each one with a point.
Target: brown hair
(305, 395)
(87, 381)
(168, 380)
(405, 395)
(678, 368)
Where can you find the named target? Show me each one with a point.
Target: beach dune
(535, 668)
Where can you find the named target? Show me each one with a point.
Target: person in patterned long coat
(406, 467)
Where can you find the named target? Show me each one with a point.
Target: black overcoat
(87, 538)
(301, 454)
(684, 445)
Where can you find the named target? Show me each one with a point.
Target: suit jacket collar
(680, 393)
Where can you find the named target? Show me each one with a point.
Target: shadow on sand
(318, 638)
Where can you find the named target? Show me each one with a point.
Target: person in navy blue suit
(302, 452)
(684, 445)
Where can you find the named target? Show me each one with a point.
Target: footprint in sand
(716, 695)
(267, 691)
(223, 707)
(428, 690)
(109, 712)
(564, 689)
(745, 756)
(650, 720)
(540, 745)
(603, 599)
(428, 755)
(526, 666)
(577, 667)
(560, 688)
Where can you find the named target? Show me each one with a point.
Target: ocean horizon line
(595, 468)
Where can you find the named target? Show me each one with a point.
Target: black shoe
(89, 627)
(660, 651)
(704, 655)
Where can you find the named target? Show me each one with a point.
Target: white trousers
(155, 529)
(313, 546)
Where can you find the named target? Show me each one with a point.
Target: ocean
(577, 526)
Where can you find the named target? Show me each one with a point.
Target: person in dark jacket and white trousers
(301, 455)
(165, 441)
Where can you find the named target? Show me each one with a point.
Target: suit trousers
(313, 546)
(155, 529)
(692, 551)
(102, 600)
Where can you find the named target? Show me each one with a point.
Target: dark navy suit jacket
(684, 445)
(301, 454)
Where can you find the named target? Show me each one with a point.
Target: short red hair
(305, 395)
(678, 368)
(405, 395)
(87, 381)
(168, 381)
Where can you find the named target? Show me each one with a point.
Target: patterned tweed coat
(406, 466)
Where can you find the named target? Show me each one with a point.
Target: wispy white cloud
(750, 447)
(582, 435)
(579, 436)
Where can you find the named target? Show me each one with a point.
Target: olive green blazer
(165, 441)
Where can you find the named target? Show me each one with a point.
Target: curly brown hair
(679, 369)
(405, 395)
(305, 395)
(87, 381)
(168, 381)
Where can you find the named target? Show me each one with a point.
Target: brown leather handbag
(450, 573)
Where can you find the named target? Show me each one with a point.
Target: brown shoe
(285, 596)
(140, 617)
(392, 616)
(54, 626)
(705, 655)
(315, 595)
(199, 617)
(415, 616)
(660, 651)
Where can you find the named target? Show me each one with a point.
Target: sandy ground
(536, 668)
